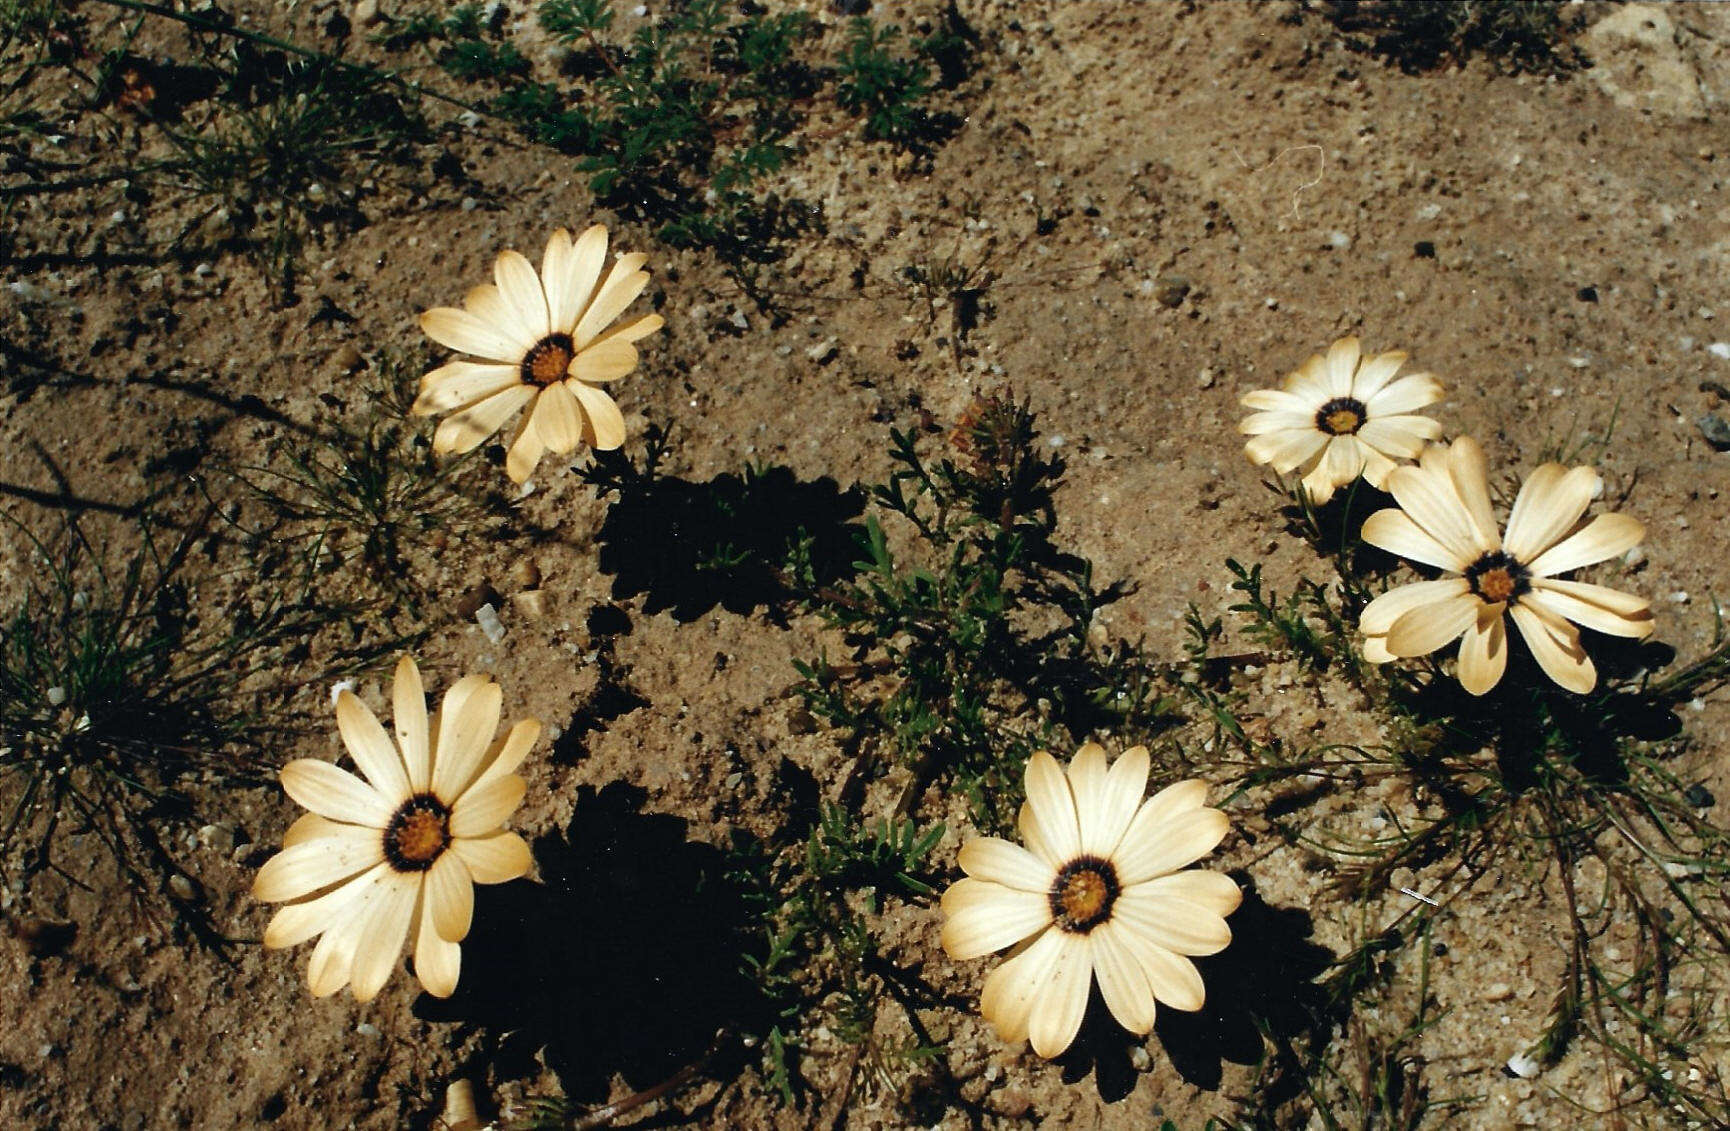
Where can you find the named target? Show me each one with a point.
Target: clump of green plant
(361, 493)
(116, 693)
(285, 147)
(972, 647)
(815, 907)
(1519, 35)
(1580, 794)
(884, 88)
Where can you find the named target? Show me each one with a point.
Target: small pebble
(738, 319)
(488, 618)
(366, 1029)
(1498, 991)
(1171, 290)
(1719, 349)
(1140, 1059)
(1523, 1066)
(182, 886)
(1680, 597)
(56, 696)
(1716, 430)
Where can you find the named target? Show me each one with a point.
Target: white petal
(1548, 506)
(1589, 614)
(1484, 651)
(294, 923)
(1422, 630)
(1153, 847)
(563, 305)
(381, 937)
(1062, 1001)
(463, 431)
(557, 420)
(1555, 644)
(603, 423)
(467, 722)
(1375, 372)
(1125, 788)
(1214, 891)
(1176, 924)
(1403, 396)
(1430, 499)
(1609, 610)
(1342, 461)
(632, 331)
(525, 452)
(450, 896)
(302, 869)
(335, 793)
(1012, 989)
(1470, 478)
(587, 259)
(1285, 451)
(1278, 400)
(1087, 772)
(482, 810)
(508, 752)
(460, 330)
(521, 289)
(980, 917)
(1175, 980)
(1603, 538)
(1402, 436)
(371, 748)
(462, 383)
(604, 361)
(1003, 862)
(408, 712)
(622, 286)
(437, 962)
(1342, 366)
(1380, 614)
(1122, 982)
(1309, 382)
(1053, 806)
(1261, 423)
(494, 859)
(1395, 531)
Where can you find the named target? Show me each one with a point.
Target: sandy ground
(1552, 248)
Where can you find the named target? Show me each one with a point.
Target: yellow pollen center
(421, 836)
(1496, 585)
(1083, 896)
(1343, 422)
(548, 363)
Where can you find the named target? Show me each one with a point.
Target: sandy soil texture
(1156, 207)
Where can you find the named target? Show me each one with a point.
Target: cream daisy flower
(1095, 894)
(395, 857)
(1445, 520)
(548, 350)
(1341, 416)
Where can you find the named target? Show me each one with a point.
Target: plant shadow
(623, 959)
(1263, 986)
(737, 541)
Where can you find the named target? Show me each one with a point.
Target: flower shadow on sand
(729, 541)
(623, 959)
(1263, 983)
